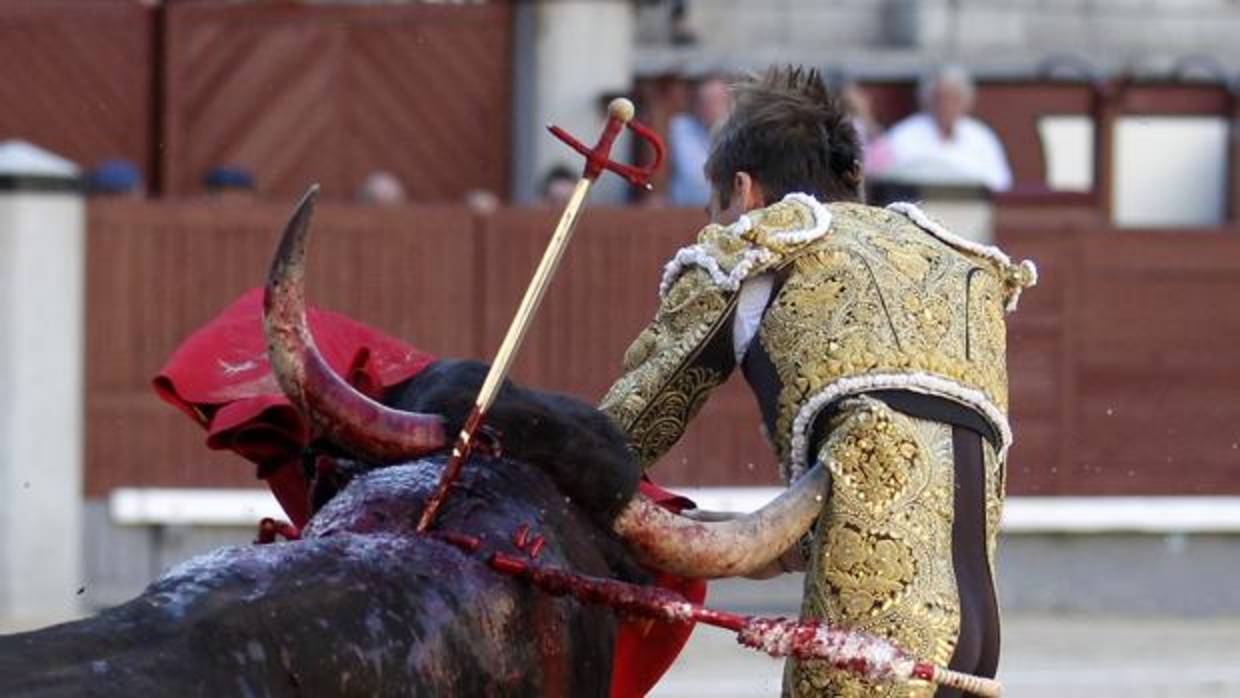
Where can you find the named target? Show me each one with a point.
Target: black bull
(358, 607)
(363, 606)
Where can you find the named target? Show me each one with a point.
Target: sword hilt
(619, 116)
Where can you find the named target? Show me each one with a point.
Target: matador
(874, 341)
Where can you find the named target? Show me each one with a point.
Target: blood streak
(269, 528)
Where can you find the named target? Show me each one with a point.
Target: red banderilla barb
(645, 601)
(521, 536)
(846, 650)
(269, 528)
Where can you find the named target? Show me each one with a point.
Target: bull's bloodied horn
(337, 410)
(741, 546)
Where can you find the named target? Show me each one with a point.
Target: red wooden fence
(295, 93)
(1124, 373)
(291, 92)
(77, 78)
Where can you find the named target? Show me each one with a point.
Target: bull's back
(360, 607)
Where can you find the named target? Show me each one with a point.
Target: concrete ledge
(159, 506)
(1022, 515)
(1154, 515)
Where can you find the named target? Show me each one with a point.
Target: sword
(620, 115)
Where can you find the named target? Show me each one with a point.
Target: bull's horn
(338, 411)
(737, 547)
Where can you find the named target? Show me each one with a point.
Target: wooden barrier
(77, 78)
(1124, 374)
(287, 91)
(157, 271)
(294, 92)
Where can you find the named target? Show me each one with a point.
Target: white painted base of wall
(1108, 555)
(1021, 515)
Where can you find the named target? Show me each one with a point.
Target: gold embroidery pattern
(879, 295)
(995, 480)
(882, 558)
(669, 414)
(659, 392)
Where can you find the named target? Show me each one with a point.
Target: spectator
(942, 142)
(857, 105)
(228, 181)
(115, 178)
(482, 201)
(558, 186)
(682, 33)
(689, 142)
(381, 188)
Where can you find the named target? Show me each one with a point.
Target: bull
(363, 605)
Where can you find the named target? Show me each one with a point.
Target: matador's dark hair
(791, 134)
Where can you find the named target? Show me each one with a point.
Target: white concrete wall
(41, 396)
(1170, 171)
(569, 54)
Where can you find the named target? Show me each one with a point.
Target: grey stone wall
(899, 36)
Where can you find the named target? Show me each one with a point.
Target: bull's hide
(360, 607)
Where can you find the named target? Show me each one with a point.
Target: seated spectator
(558, 186)
(115, 178)
(942, 143)
(482, 201)
(381, 188)
(229, 181)
(688, 140)
(857, 105)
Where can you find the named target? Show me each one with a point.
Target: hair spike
(791, 133)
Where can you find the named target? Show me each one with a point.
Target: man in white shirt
(942, 143)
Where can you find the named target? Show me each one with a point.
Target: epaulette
(757, 241)
(1016, 277)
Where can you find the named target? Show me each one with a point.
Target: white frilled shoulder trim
(822, 221)
(1025, 274)
(730, 280)
(924, 383)
(936, 229)
(696, 255)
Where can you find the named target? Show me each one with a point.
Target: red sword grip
(598, 158)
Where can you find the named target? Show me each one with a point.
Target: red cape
(221, 379)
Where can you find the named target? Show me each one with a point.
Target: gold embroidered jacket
(866, 299)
